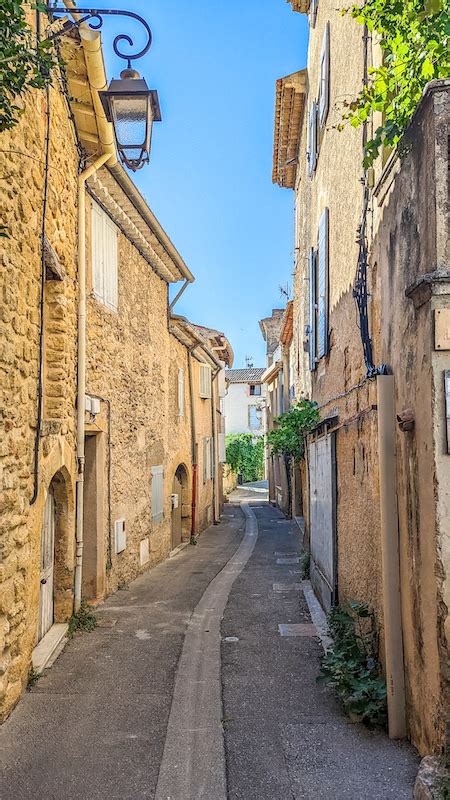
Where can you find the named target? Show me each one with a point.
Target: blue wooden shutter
(322, 286)
(324, 89)
(312, 309)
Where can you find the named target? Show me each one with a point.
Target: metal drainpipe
(215, 448)
(193, 442)
(81, 374)
(390, 559)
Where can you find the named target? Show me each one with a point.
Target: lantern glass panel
(130, 115)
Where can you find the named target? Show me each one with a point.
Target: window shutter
(312, 139)
(313, 12)
(212, 466)
(222, 384)
(97, 251)
(322, 286)
(104, 257)
(324, 89)
(157, 494)
(206, 457)
(222, 449)
(205, 381)
(312, 309)
(110, 262)
(181, 392)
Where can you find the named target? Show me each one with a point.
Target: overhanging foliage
(414, 36)
(245, 455)
(288, 436)
(24, 63)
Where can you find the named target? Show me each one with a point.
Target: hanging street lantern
(129, 104)
(132, 108)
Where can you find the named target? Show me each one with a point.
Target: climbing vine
(245, 455)
(414, 36)
(24, 63)
(288, 436)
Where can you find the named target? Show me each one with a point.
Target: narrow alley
(168, 699)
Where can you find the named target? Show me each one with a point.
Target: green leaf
(427, 69)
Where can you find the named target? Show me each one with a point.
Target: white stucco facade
(244, 403)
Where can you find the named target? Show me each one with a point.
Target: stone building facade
(121, 449)
(405, 243)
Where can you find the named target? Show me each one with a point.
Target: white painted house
(245, 401)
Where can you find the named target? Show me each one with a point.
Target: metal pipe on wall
(390, 558)
(81, 366)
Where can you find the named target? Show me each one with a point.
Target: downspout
(216, 511)
(193, 442)
(390, 559)
(178, 295)
(81, 362)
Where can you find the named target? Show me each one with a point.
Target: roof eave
(289, 109)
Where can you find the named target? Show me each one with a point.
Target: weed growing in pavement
(305, 563)
(33, 678)
(352, 666)
(193, 539)
(82, 620)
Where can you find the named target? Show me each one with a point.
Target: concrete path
(137, 710)
(286, 737)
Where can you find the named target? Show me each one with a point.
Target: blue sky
(214, 64)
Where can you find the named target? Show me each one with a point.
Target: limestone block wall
(203, 417)
(132, 362)
(21, 200)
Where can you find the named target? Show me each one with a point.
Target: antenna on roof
(249, 362)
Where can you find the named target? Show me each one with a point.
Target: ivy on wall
(288, 436)
(414, 36)
(24, 62)
(245, 455)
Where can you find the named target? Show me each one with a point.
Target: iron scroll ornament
(94, 18)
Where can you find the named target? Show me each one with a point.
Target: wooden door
(176, 512)
(47, 566)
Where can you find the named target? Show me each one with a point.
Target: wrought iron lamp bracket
(94, 18)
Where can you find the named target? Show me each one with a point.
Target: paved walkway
(111, 721)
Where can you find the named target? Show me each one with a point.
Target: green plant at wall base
(24, 63)
(288, 436)
(82, 620)
(414, 36)
(245, 455)
(33, 677)
(352, 667)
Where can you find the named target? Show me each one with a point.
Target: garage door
(322, 489)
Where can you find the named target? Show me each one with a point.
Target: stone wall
(21, 198)
(132, 362)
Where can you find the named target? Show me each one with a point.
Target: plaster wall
(237, 402)
(21, 201)
(204, 429)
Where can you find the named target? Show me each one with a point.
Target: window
(318, 295)
(207, 448)
(254, 418)
(104, 257)
(205, 381)
(255, 391)
(157, 493)
(324, 87)
(181, 392)
(313, 12)
(311, 147)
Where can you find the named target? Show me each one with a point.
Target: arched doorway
(180, 516)
(56, 556)
(47, 566)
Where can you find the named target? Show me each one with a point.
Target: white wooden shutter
(311, 155)
(324, 88)
(205, 459)
(322, 286)
(97, 251)
(222, 448)
(212, 466)
(104, 257)
(205, 381)
(157, 493)
(312, 309)
(110, 262)
(222, 384)
(181, 392)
